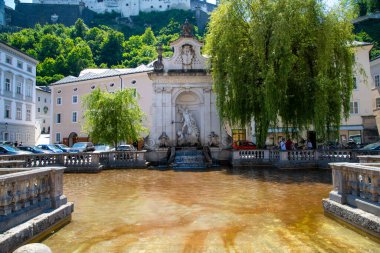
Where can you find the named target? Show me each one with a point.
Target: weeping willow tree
(281, 60)
(112, 117)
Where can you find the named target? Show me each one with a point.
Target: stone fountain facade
(183, 106)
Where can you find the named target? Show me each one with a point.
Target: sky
(11, 3)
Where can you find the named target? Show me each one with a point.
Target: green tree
(281, 59)
(48, 47)
(79, 58)
(112, 48)
(112, 117)
(79, 29)
(148, 37)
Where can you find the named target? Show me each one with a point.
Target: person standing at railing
(282, 144)
(309, 144)
(289, 144)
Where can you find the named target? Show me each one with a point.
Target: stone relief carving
(149, 143)
(213, 139)
(186, 57)
(164, 140)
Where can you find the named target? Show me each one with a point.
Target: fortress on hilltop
(129, 8)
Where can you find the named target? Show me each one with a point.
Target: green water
(219, 211)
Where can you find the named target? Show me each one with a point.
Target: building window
(355, 85)
(19, 65)
(74, 118)
(377, 103)
(38, 109)
(29, 91)
(8, 59)
(18, 113)
(59, 101)
(39, 99)
(134, 92)
(354, 107)
(28, 114)
(58, 118)
(7, 84)
(45, 100)
(7, 113)
(57, 137)
(377, 81)
(29, 69)
(6, 136)
(238, 134)
(19, 88)
(75, 99)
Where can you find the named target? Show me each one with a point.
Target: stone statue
(189, 133)
(187, 29)
(213, 139)
(158, 65)
(164, 140)
(180, 138)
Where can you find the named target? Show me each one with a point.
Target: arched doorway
(73, 138)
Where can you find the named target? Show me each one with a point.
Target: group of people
(289, 145)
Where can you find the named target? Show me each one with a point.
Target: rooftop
(89, 74)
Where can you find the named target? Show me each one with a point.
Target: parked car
(372, 146)
(82, 147)
(63, 147)
(9, 150)
(243, 145)
(35, 150)
(50, 147)
(102, 148)
(125, 147)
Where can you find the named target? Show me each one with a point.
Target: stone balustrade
(296, 158)
(351, 181)
(40, 188)
(31, 204)
(355, 195)
(78, 162)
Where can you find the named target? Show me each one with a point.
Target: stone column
(157, 127)
(167, 112)
(207, 115)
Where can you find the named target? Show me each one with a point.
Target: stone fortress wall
(125, 7)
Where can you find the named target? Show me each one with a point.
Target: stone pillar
(207, 115)
(56, 187)
(167, 112)
(157, 127)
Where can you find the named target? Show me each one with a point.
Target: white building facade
(125, 7)
(375, 74)
(17, 96)
(43, 110)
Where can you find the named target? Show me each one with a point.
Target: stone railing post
(56, 186)
(236, 154)
(284, 156)
(141, 156)
(266, 154)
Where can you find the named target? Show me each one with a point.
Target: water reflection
(248, 210)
